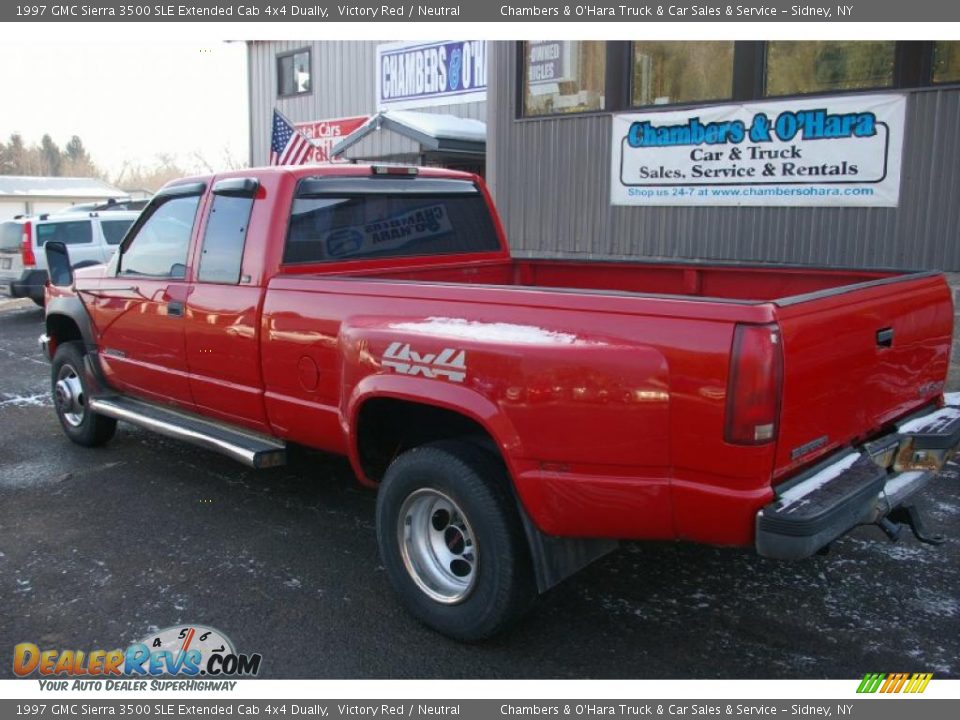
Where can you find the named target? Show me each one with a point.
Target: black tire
(502, 584)
(83, 426)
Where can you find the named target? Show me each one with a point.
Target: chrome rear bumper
(857, 486)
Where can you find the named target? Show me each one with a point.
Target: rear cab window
(335, 219)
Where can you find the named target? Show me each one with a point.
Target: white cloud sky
(129, 102)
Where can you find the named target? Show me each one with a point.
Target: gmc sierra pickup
(516, 416)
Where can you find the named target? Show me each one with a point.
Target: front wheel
(451, 540)
(70, 396)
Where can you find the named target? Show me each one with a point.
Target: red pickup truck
(517, 416)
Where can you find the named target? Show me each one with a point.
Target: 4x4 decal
(450, 363)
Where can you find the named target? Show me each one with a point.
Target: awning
(432, 132)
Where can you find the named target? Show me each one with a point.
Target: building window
(293, 73)
(796, 68)
(564, 76)
(946, 61)
(680, 72)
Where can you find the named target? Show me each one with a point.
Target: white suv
(92, 238)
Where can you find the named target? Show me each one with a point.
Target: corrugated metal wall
(551, 182)
(344, 85)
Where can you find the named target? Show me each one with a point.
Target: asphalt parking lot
(100, 547)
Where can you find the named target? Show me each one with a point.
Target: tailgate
(10, 264)
(856, 358)
(11, 233)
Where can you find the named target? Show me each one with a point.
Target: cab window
(159, 248)
(224, 238)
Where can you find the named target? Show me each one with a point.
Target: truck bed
(674, 326)
(751, 283)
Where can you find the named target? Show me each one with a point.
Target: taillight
(26, 247)
(755, 385)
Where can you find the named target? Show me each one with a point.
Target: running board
(256, 451)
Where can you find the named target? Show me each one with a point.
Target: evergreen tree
(51, 156)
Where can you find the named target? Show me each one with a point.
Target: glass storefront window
(679, 72)
(946, 61)
(563, 76)
(795, 68)
(293, 73)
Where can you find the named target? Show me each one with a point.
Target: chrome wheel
(69, 397)
(438, 546)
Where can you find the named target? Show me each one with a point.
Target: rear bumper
(857, 486)
(30, 284)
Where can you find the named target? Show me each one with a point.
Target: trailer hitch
(908, 515)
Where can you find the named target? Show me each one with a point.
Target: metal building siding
(550, 179)
(344, 85)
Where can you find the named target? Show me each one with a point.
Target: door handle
(885, 337)
(175, 309)
(108, 292)
(125, 288)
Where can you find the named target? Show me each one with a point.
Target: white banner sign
(430, 74)
(838, 151)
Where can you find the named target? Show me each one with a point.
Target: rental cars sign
(826, 151)
(418, 74)
(324, 134)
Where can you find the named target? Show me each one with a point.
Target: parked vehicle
(517, 416)
(109, 205)
(92, 239)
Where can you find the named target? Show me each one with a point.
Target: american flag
(288, 146)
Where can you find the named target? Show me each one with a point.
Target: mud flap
(557, 558)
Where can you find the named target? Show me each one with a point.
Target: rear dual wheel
(452, 542)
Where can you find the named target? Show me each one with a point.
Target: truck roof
(327, 169)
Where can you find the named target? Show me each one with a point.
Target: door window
(159, 249)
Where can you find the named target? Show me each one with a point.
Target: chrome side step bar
(252, 449)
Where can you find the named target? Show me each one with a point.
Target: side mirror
(58, 264)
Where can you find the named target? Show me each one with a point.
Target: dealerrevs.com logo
(184, 651)
(894, 682)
